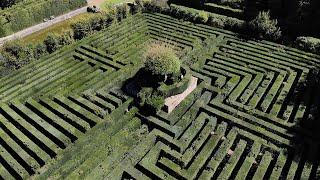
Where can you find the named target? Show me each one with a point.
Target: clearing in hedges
(252, 114)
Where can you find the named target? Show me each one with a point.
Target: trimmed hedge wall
(19, 17)
(177, 88)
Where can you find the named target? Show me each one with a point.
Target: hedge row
(18, 17)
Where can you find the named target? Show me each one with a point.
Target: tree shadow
(305, 142)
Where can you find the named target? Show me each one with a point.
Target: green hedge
(310, 44)
(177, 88)
(19, 17)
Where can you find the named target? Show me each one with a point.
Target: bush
(143, 95)
(81, 29)
(66, 38)
(310, 44)
(264, 27)
(16, 54)
(154, 103)
(160, 59)
(87, 25)
(52, 43)
(202, 17)
(39, 50)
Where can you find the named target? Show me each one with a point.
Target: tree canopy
(160, 59)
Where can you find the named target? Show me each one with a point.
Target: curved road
(43, 25)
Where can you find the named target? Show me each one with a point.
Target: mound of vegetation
(162, 76)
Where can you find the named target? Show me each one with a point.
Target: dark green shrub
(154, 103)
(264, 27)
(66, 38)
(39, 50)
(310, 44)
(202, 17)
(81, 29)
(52, 43)
(143, 95)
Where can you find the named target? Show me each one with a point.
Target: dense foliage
(26, 14)
(8, 3)
(265, 27)
(160, 59)
(308, 43)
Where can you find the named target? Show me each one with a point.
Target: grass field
(66, 117)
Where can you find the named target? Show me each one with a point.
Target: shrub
(143, 95)
(66, 38)
(264, 27)
(52, 43)
(81, 29)
(202, 17)
(215, 22)
(308, 43)
(160, 59)
(154, 103)
(39, 50)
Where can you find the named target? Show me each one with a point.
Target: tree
(160, 59)
(82, 28)
(51, 43)
(265, 27)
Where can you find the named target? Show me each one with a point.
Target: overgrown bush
(160, 59)
(16, 54)
(264, 27)
(202, 17)
(154, 103)
(310, 44)
(88, 25)
(52, 43)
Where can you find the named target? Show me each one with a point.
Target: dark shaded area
(295, 17)
(306, 139)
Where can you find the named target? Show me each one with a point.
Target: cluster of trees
(24, 15)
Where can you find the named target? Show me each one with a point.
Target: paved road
(41, 26)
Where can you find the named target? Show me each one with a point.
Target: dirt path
(44, 25)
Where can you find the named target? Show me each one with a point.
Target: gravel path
(43, 25)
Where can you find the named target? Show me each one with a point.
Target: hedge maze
(252, 115)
